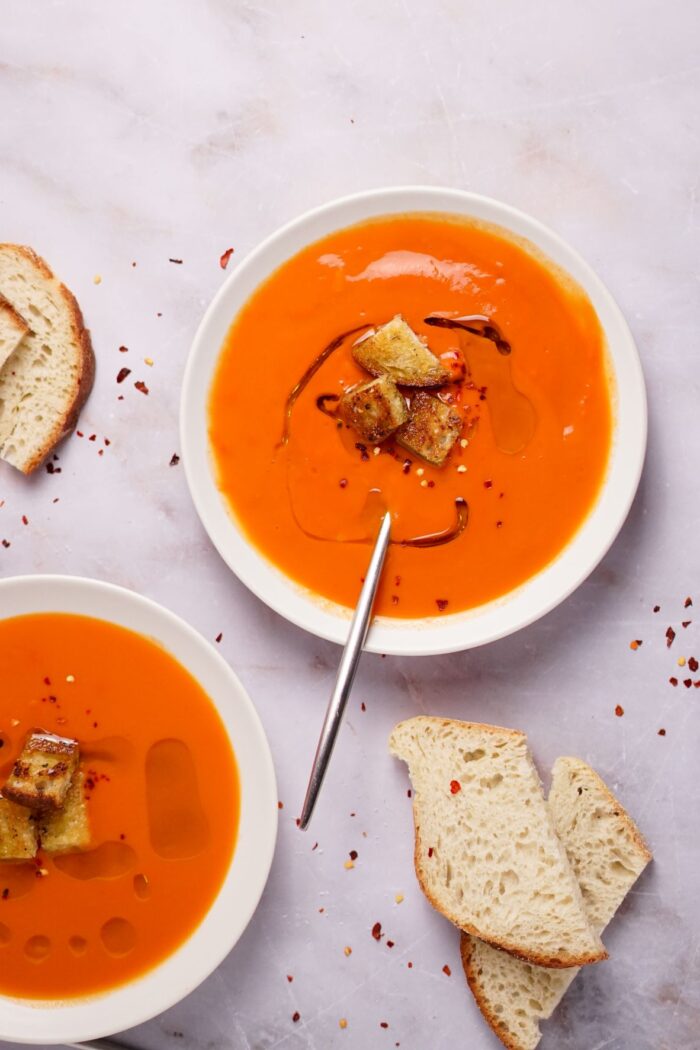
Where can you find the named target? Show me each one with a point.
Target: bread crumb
(148, 361)
(461, 469)
(681, 661)
(398, 898)
(342, 1023)
(347, 950)
(420, 472)
(424, 484)
(97, 279)
(349, 864)
(70, 677)
(463, 442)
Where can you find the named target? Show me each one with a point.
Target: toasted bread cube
(431, 430)
(396, 351)
(67, 829)
(375, 409)
(17, 832)
(43, 772)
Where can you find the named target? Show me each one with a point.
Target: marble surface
(135, 133)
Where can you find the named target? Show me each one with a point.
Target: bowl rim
(116, 1009)
(461, 630)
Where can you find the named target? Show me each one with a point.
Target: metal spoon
(346, 670)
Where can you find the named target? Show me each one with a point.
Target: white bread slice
(486, 852)
(13, 329)
(607, 854)
(45, 381)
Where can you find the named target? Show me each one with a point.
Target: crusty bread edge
(86, 377)
(493, 1021)
(7, 307)
(558, 962)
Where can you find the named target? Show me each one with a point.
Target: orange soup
(161, 793)
(536, 423)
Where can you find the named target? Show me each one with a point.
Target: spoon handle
(346, 670)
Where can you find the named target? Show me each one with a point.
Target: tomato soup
(162, 797)
(537, 423)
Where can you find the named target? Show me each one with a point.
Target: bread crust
(559, 962)
(494, 1023)
(66, 423)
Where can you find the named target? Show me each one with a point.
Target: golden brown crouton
(431, 430)
(395, 350)
(43, 772)
(373, 409)
(68, 828)
(17, 832)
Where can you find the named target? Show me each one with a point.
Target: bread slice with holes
(486, 852)
(13, 329)
(607, 854)
(45, 381)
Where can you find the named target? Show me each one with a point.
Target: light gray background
(139, 131)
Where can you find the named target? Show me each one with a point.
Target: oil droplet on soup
(37, 948)
(118, 936)
(78, 945)
(108, 861)
(177, 823)
(142, 887)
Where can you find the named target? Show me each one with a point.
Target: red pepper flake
(687, 682)
(315, 846)
(178, 262)
(455, 786)
(290, 978)
(383, 1024)
(441, 603)
(619, 711)
(174, 459)
(696, 685)
(693, 664)
(673, 680)
(410, 965)
(107, 441)
(223, 261)
(25, 521)
(687, 603)
(670, 635)
(394, 599)
(431, 484)
(296, 1016)
(488, 484)
(6, 543)
(79, 433)
(363, 706)
(47, 680)
(353, 854)
(123, 349)
(635, 643)
(446, 970)
(343, 483)
(430, 851)
(280, 805)
(140, 385)
(390, 944)
(377, 931)
(52, 469)
(362, 449)
(397, 581)
(662, 732)
(499, 524)
(409, 793)
(657, 608)
(5, 893)
(122, 374)
(218, 637)
(100, 452)
(686, 623)
(93, 437)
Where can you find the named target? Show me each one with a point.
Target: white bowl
(459, 630)
(26, 1021)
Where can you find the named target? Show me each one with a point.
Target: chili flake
(687, 682)
(174, 459)
(657, 608)
(446, 970)
(693, 664)
(218, 637)
(673, 680)
(430, 851)
(455, 786)
(686, 623)
(670, 635)
(619, 711)
(662, 732)
(141, 386)
(635, 643)
(687, 603)
(441, 603)
(290, 978)
(223, 261)
(377, 931)
(122, 374)
(353, 854)
(296, 1015)
(177, 261)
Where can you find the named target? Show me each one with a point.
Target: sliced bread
(486, 852)
(607, 854)
(13, 329)
(44, 383)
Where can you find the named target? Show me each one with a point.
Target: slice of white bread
(486, 852)
(607, 854)
(13, 329)
(44, 383)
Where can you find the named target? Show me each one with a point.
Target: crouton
(42, 774)
(68, 828)
(375, 409)
(431, 430)
(395, 350)
(17, 832)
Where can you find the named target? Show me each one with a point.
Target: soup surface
(162, 797)
(537, 422)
